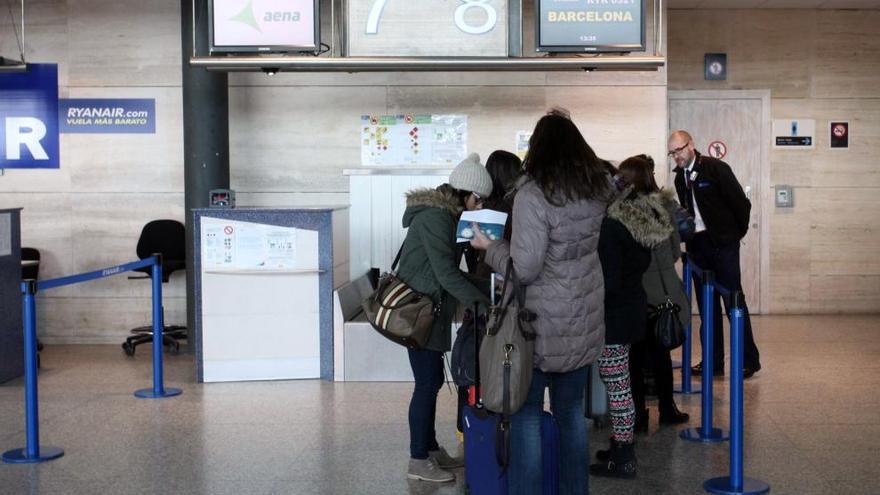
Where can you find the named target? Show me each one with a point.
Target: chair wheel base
(148, 393)
(722, 486)
(19, 456)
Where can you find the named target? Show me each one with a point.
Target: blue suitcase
(483, 473)
(483, 464)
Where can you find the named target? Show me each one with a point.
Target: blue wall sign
(29, 118)
(108, 116)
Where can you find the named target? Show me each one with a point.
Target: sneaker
(428, 470)
(444, 460)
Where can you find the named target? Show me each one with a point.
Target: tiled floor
(813, 426)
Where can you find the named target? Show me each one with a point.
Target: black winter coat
(633, 226)
(723, 204)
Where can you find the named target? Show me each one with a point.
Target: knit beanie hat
(471, 175)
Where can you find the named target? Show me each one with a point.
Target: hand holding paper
(489, 223)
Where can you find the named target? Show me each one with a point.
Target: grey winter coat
(663, 258)
(430, 258)
(554, 254)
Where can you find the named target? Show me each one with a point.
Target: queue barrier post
(736, 483)
(706, 433)
(687, 387)
(158, 391)
(32, 452)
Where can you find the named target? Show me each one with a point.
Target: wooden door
(732, 126)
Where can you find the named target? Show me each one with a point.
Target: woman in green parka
(429, 263)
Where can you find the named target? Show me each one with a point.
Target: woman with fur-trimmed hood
(429, 264)
(635, 223)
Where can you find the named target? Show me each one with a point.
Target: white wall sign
(794, 133)
(427, 28)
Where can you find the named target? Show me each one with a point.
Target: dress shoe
(698, 370)
(748, 371)
(673, 416)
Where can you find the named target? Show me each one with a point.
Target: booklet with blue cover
(491, 224)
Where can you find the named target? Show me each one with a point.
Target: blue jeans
(567, 404)
(427, 367)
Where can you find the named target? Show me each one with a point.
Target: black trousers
(724, 262)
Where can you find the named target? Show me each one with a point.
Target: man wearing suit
(709, 190)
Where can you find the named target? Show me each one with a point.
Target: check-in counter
(11, 332)
(264, 291)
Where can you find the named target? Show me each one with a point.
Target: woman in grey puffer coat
(557, 214)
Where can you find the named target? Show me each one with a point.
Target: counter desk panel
(264, 291)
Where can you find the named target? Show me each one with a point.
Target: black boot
(621, 465)
(604, 455)
(642, 420)
(670, 415)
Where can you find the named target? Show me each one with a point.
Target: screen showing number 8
(491, 16)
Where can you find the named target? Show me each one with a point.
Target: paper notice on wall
(413, 139)
(241, 245)
(522, 143)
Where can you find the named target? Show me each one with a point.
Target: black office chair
(30, 270)
(167, 237)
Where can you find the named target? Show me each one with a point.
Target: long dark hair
(505, 168)
(638, 171)
(562, 163)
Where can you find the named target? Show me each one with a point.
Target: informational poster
(248, 246)
(427, 28)
(794, 133)
(108, 115)
(410, 139)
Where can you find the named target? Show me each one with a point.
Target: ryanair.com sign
(107, 116)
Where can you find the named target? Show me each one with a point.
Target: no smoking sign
(717, 149)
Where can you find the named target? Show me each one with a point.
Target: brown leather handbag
(400, 313)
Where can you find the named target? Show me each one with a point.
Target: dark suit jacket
(723, 204)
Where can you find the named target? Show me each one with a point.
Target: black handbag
(668, 328)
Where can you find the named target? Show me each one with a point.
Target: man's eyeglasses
(678, 150)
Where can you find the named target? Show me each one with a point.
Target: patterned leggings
(614, 370)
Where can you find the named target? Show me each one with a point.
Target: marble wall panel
(285, 139)
(494, 114)
(846, 233)
(45, 33)
(765, 49)
(146, 163)
(790, 293)
(619, 122)
(88, 320)
(46, 225)
(124, 43)
(844, 293)
(847, 56)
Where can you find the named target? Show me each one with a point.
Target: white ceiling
(773, 4)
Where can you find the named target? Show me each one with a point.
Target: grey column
(205, 133)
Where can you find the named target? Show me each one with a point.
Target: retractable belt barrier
(33, 453)
(706, 433)
(735, 483)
